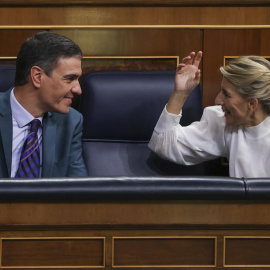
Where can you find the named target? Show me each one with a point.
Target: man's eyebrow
(72, 76)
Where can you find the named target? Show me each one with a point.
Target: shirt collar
(21, 116)
(258, 131)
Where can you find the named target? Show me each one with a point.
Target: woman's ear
(35, 75)
(253, 104)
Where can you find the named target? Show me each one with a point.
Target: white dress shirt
(20, 120)
(247, 148)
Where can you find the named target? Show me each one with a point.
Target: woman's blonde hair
(251, 77)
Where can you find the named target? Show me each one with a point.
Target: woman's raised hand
(187, 75)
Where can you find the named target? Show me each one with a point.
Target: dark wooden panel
(247, 251)
(135, 42)
(127, 212)
(136, 2)
(117, 42)
(6, 61)
(161, 252)
(11, 40)
(98, 64)
(220, 43)
(52, 252)
(194, 16)
(102, 64)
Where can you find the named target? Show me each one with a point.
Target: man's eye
(69, 80)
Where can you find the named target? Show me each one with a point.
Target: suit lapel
(48, 144)
(6, 129)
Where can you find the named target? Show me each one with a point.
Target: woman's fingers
(179, 67)
(190, 60)
(198, 59)
(197, 75)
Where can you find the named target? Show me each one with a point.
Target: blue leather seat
(7, 76)
(120, 110)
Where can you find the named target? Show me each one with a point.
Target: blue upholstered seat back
(120, 110)
(7, 75)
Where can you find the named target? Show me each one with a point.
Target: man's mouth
(69, 99)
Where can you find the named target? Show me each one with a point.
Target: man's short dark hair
(43, 49)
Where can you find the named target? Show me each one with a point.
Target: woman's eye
(225, 93)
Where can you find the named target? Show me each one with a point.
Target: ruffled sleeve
(202, 140)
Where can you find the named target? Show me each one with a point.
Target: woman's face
(235, 107)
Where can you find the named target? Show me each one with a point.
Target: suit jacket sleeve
(62, 145)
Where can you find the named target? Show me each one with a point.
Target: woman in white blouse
(238, 128)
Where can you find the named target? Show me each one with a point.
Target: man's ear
(35, 75)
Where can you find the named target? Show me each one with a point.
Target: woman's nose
(219, 100)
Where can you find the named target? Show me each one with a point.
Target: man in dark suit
(47, 71)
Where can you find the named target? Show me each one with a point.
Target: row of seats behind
(120, 110)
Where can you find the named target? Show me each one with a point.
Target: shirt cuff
(167, 121)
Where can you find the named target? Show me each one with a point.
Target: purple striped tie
(29, 161)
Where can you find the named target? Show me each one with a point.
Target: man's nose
(77, 88)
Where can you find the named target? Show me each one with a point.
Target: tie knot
(35, 124)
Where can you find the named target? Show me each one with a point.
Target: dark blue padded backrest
(7, 76)
(120, 110)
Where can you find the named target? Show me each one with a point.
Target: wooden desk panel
(42, 251)
(133, 234)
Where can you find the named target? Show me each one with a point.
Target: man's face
(57, 90)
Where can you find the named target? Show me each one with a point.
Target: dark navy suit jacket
(61, 142)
